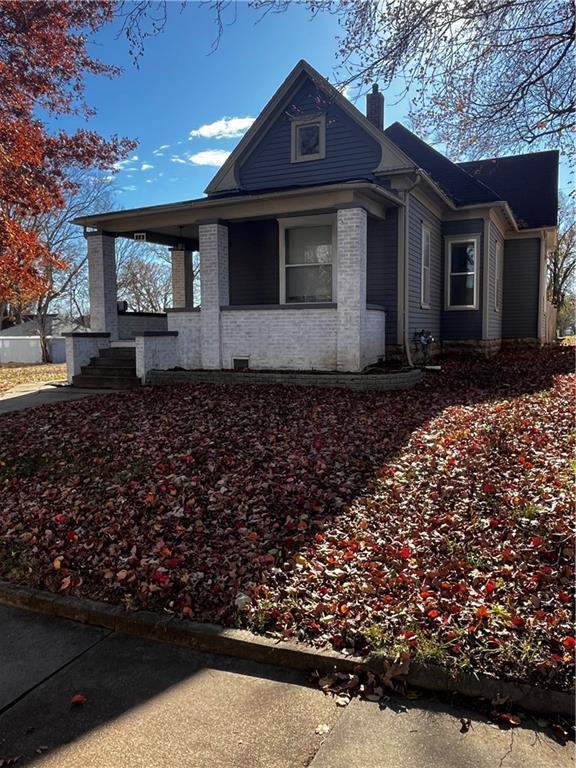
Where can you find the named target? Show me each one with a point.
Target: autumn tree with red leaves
(43, 63)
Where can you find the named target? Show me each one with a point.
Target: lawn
(13, 374)
(435, 521)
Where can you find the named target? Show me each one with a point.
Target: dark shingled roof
(454, 180)
(529, 183)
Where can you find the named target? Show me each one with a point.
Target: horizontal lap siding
(521, 288)
(350, 152)
(464, 324)
(494, 316)
(419, 318)
(254, 262)
(382, 269)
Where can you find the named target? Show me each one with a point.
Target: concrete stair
(114, 368)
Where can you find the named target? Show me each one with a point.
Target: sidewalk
(150, 704)
(33, 395)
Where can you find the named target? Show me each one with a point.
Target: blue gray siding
(521, 288)
(253, 258)
(494, 330)
(463, 324)
(420, 318)
(351, 153)
(382, 269)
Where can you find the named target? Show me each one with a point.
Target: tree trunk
(41, 323)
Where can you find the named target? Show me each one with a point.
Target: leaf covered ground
(434, 522)
(11, 375)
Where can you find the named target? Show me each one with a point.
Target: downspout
(405, 310)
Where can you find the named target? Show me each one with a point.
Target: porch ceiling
(178, 222)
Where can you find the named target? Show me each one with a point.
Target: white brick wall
(188, 341)
(351, 286)
(373, 339)
(79, 350)
(214, 288)
(303, 339)
(155, 353)
(102, 284)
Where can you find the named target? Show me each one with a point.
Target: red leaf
(78, 700)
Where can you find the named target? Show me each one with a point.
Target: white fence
(26, 349)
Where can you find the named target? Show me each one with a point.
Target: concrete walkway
(34, 395)
(150, 704)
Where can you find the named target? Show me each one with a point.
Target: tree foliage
(43, 63)
(483, 76)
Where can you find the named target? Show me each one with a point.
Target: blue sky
(180, 87)
(188, 107)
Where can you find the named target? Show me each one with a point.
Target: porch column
(351, 286)
(182, 279)
(102, 284)
(214, 289)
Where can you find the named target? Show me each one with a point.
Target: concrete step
(118, 352)
(105, 382)
(106, 372)
(113, 362)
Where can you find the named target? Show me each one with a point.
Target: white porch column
(182, 279)
(351, 286)
(102, 283)
(214, 288)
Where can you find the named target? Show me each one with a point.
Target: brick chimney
(375, 107)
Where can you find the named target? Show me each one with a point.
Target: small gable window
(308, 139)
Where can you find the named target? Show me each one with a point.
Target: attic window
(308, 139)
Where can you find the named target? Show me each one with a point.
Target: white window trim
(425, 304)
(498, 266)
(449, 241)
(298, 122)
(296, 222)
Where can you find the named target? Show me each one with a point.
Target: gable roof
(226, 180)
(459, 185)
(528, 182)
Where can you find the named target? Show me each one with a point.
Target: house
(328, 242)
(20, 343)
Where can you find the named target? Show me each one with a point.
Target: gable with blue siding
(351, 153)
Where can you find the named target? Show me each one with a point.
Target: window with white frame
(498, 276)
(307, 264)
(425, 275)
(308, 139)
(462, 256)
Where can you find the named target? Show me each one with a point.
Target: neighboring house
(328, 242)
(55, 326)
(20, 343)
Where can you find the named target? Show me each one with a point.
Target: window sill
(425, 306)
(465, 308)
(308, 159)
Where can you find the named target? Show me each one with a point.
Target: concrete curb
(211, 638)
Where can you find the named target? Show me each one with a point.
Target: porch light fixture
(140, 237)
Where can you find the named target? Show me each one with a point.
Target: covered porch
(282, 283)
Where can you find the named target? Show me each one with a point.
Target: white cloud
(346, 91)
(159, 151)
(121, 164)
(226, 128)
(214, 157)
(177, 159)
(128, 189)
(146, 167)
